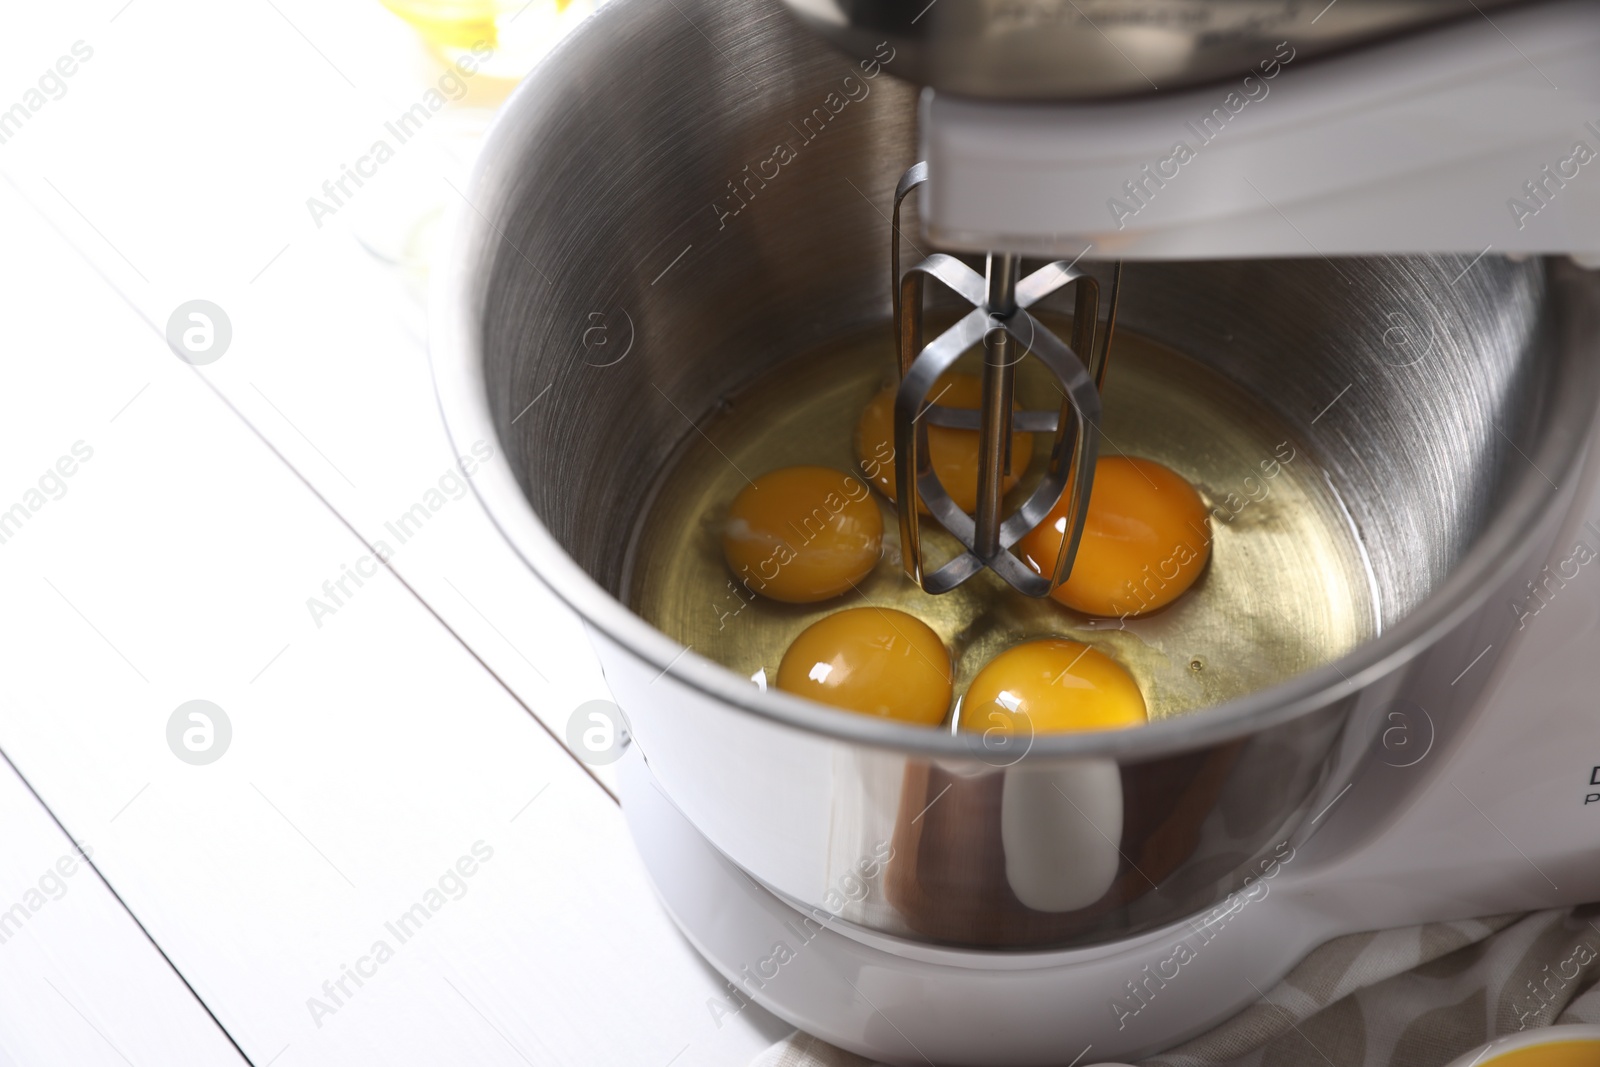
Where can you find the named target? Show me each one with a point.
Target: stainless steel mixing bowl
(634, 184)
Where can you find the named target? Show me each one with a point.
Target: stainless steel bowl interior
(641, 207)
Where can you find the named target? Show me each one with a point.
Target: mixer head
(1097, 49)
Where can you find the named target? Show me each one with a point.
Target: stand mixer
(1374, 242)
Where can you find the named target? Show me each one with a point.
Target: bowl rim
(457, 295)
(1554, 1034)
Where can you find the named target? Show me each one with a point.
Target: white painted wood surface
(373, 749)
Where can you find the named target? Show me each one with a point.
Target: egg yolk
(1050, 686)
(803, 534)
(1146, 540)
(954, 453)
(877, 661)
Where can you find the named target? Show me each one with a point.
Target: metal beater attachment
(1001, 323)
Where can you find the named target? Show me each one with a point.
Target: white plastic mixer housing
(1476, 138)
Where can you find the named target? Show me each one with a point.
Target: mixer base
(915, 1004)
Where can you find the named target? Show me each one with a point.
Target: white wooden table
(400, 751)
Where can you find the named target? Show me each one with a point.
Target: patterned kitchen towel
(1418, 996)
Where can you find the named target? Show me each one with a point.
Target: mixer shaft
(1001, 324)
(999, 385)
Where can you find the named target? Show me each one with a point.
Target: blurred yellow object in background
(450, 23)
(467, 57)
(458, 23)
(505, 37)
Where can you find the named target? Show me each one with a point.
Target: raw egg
(803, 534)
(954, 452)
(877, 661)
(1050, 686)
(1145, 542)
